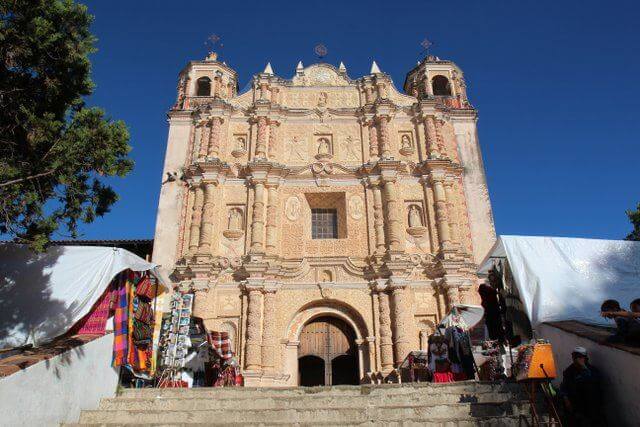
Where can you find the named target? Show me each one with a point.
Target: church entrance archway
(329, 344)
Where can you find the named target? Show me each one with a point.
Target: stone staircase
(457, 404)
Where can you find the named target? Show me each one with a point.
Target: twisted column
(206, 230)
(273, 142)
(442, 149)
(431, 137)
(269, 331)
(373, 140)
(453, 296)
(253, 359)
(261, 140)
(385, 151)
(204, 141)
(272, 219)
(214, 137)
(196, 218)
(257, 222)
(401, 325)
(394, 232)
(368, 94)
(378, 218)
(264, 88)
(453, 212)
(442, 220)
(386, 345)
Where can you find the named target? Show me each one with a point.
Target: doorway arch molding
(314, 310)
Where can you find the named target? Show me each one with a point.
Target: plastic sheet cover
(561, 278)
(43, 295)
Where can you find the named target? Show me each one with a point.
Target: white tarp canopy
(560, 278)
(43, 295)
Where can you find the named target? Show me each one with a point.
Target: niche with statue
(239, 145)
(324, 148)
(235, 224)
(415, 218)
(406, 143)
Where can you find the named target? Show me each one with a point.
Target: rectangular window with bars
(324, 224)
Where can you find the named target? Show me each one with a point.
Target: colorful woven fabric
(120, 322)
(95, 323)
(221, 344)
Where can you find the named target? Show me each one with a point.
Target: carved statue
(323, 146)
(415, 219)
(349, 148)
(405, 142)
(241, 143)
(235, 219)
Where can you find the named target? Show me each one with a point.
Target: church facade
(327, 223)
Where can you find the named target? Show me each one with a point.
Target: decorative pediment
(320, 75)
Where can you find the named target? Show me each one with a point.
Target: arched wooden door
(332, 340)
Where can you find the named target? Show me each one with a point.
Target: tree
(634, 217)
(55, 152)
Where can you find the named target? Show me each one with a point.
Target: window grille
(324, 224)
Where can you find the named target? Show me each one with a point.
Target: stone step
(503, 421)
(339, 415)
(186, 403)
(466, 387)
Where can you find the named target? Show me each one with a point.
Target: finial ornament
(268, 69)
(211, 43)
(341, 67)
(375, 69)
(299, 67)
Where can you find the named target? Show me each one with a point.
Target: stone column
(196, 218)
(264, 88)
(261, 140)
(272, 219)
(206, 231)
(442, 149)
(382, 90)
(253, 351)
(373, 140)
(431, 137)
(274, 95)
(386, 346)
(269, 331)
(214, 137)
(453, 213)
(368, 94)
(427, 86)
(395, 240)
(401, 326)
(204, 141)
(217, 87)
(385, 151)
(257, 222)
(378, 218)
(453, 295)
(273, 143)
(442, 220)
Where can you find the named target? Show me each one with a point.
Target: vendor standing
(581, 391)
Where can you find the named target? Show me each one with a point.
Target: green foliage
(634, 217)
(54, 151)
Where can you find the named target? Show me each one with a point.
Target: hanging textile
(95, 323)
(221, 344)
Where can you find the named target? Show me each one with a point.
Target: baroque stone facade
(401, 171)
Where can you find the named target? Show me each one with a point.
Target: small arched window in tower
(441, 86)
(203, 86)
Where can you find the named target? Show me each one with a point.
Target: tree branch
(29, 178)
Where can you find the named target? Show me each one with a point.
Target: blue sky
(555, 83)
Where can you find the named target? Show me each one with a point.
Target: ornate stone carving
(206, 229)
(296, 150)
(269, 331)
(196, 217)
(386, 345)
(253, 359)
(261, 139)
(325, 150)
(416, 222)
(235, 224)
(356, 207)
(401, 311)
(257, 224)
(240, 145)
(349, 148)
(293, 208)
(406, 144)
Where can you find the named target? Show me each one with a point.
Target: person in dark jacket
(581, 391)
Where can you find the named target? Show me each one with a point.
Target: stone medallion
(356, 207)
(292, 208)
